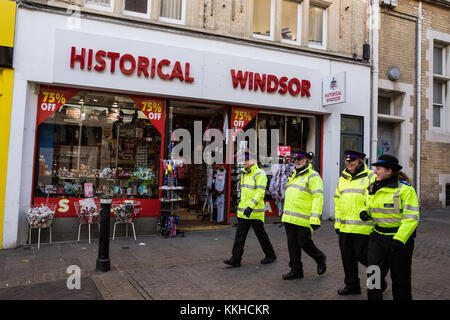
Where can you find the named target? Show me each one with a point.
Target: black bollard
(103, 261)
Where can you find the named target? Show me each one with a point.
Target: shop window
(264, 19)
(137, 8)
(291, 21)
(296, 132)
(106, 5)
(173, 11)
(97, 144)
(351, 135)
(317, 27)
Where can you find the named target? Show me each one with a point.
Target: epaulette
(404, 182)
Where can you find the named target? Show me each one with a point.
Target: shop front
(104, 112)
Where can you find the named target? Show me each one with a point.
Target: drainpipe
(375, 25)
(418, 101)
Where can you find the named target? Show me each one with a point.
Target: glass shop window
(96, 144)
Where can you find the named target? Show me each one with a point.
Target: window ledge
(441, 77)
(390, 118)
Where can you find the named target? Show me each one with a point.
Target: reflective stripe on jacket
(349, 202)
(253, 190)
(395, 206)
(304, 198)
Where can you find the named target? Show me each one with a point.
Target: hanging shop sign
(51, 99)
(153, 110)
(284, 151)
(333, 89)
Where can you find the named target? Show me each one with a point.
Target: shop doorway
(202, 187)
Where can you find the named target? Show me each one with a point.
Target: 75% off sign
(153, 110)
(51, 99)
(240, 118)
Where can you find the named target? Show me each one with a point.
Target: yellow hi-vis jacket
(394, 206)
(303, 200)
(253, 190)
(349, 201)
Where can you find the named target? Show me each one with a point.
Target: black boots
(232, 263)
(349, 290)
(293, 275)
(322, 266)
(268, 260)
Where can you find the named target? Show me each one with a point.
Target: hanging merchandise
(277, 186)
(170, 200)
(219, 187)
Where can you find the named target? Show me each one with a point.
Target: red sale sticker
(51, 99)
(153, 110)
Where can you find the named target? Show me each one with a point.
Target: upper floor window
(440, 85)
(264, 19)
(173, 11)
(317, 27)
(291, 13)
(106, 5)
(137, 8)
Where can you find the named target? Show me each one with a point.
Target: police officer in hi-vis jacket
(250, 212)
(392, 205)
(349, 200)
(301, 215)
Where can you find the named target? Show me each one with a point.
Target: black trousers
(353, 250)
(399, 263)
(242, 229)
(298, 239)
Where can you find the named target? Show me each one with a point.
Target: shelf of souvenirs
(133, 178)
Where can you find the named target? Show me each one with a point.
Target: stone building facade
(409, 31)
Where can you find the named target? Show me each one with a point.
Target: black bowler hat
(352, 155)
(302, 154)
(388, 161)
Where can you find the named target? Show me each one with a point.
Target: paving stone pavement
(191, 268)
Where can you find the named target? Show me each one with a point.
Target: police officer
(353, 232)
(393, 207)
(250, 212)
(301, 215)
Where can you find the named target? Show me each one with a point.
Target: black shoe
(349, 290)
(292, 275)
(268, 260)
(232, 263)
(322, 266)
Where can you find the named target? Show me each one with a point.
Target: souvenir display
(41, 216)
(88, 211)
(126, 212)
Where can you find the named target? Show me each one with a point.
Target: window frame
(272, 23)
(181, 21)
(440, 105)
(297, 42)
(138, 14)
(443, 55)
(99, 7)
(443, 80)
(323, 46)
(350, 134)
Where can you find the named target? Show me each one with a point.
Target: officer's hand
(397, 245)
(364, 216)
(248, 212)
(337, 231)
(315, 226)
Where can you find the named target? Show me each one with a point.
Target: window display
(96, 144)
